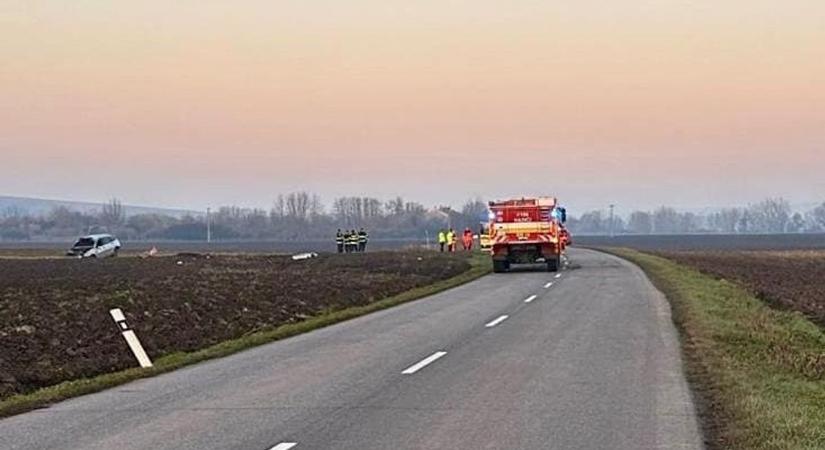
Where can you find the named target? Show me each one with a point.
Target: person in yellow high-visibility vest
(442, 239)
(451, 240)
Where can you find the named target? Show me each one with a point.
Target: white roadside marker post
(131, 338)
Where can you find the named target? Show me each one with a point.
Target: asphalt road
(506, 362)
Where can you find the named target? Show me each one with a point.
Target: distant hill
(41, 206)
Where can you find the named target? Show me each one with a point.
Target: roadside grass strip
(479, 266)
(758, 372)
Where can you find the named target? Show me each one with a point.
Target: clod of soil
(54, 313)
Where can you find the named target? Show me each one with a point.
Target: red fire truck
(527, 231)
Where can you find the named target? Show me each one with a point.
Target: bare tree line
(772, 215)
(295, 215)
(302, 215)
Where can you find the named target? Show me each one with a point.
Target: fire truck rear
(526, 231)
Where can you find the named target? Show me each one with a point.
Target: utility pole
(208, 226)
(611, 219)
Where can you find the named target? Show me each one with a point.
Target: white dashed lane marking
(497, 321)
(423, 363)
(530, 299)
(284, 446)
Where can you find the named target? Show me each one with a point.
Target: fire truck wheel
(499, 266)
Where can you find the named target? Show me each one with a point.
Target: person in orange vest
(467, 239)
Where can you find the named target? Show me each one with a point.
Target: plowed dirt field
(54, 313)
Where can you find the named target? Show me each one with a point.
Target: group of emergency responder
(447, 239)
(356, 241)
(351, 241)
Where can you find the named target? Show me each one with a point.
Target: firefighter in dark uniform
(347, 242)
(352, 240)
(339, 241)
(363, 237)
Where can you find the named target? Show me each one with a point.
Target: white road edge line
(284, 446)
(558, 275)
(497, 321)
(530, 298)
(547, 286)
(423, 363)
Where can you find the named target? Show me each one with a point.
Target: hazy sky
(195, 103)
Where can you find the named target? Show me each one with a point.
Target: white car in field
(95, 246)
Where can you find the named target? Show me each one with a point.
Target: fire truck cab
(527, 231)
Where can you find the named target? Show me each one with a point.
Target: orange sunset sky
(201, 103)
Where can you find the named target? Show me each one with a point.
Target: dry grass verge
(758, 372)
(785, 279)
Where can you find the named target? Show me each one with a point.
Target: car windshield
(85, 242)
